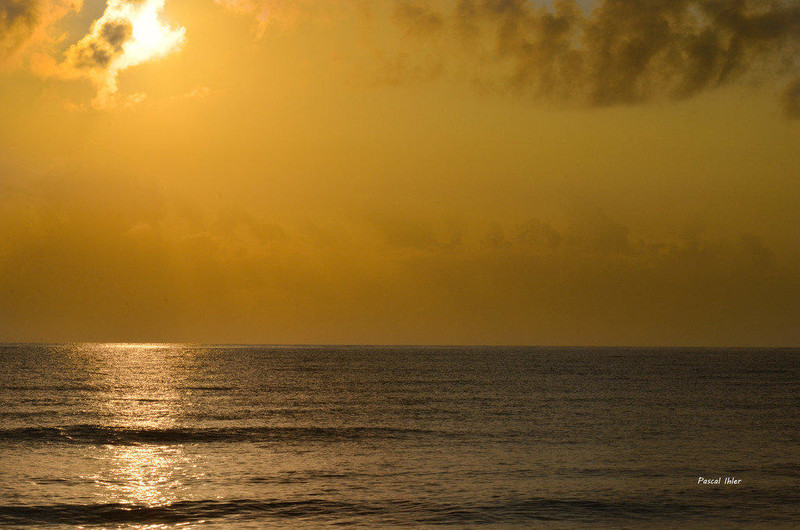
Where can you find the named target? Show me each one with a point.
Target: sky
(400, 172)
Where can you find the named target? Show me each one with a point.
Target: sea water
(160, 436)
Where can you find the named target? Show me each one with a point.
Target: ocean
(169, 436)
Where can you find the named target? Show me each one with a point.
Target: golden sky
(394, 171)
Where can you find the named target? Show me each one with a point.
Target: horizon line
(386, 345)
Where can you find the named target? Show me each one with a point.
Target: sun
(147, 32)
(150, 37)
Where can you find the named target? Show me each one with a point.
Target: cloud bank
(83, 258)
(616, 52)
(621, 51)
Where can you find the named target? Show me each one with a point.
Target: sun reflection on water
(127, 346)
(142, 382)
(145, 475)
(142, 385)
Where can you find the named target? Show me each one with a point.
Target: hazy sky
(389, 171)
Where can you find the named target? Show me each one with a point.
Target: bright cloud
(128, 33)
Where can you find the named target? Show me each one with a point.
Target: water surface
(158, 436)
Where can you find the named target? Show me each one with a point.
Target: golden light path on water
(143, 386)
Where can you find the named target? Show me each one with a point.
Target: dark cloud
(97, 49)
(14, 12)
(18, 19)
(24, 21)
(116, 33)
(622, 51)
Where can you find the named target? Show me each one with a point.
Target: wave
(52, 388)
(179, 512)
(115, 435)
(399, 512)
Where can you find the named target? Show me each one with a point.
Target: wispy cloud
(279, 13)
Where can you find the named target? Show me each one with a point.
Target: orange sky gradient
(400, 172)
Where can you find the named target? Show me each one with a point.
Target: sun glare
(150, 37)
(147, 32)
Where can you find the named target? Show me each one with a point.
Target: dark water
(252, 437)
